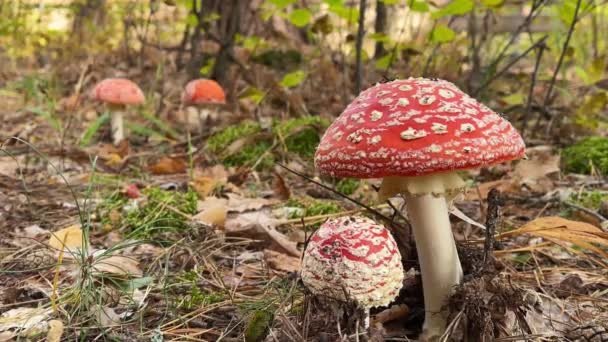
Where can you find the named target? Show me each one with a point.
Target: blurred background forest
(203, 232)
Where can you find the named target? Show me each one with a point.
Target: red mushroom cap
(415, 127)
(118, 91)
(202, 91)
(352, 258)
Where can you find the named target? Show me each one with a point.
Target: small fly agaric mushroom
(415, 134)
(355, 260)
(204, 94)
(117, 93)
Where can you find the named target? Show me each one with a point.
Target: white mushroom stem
(427, 210)
(117, 124)
(439, 263)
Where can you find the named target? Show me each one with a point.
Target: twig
(541, 49)
(494, 202)
(563, 54)
(588, 211)
(534, 12)
(560, 61)
(359, 46)
(508, 66)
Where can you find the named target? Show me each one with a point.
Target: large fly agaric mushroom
(117, 93)
(352, 259)
(415, 134)
(204, 94)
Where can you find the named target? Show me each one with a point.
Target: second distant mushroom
(117, 94)
(206, 96)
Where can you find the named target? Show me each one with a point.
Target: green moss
(348, 186)
(219, 141)
(302, 134)
(197, 297)
(161, 212)
(312, 207)
(250, 154)
(579, 157)
(258, 325)
(590, 199)
(304, 143)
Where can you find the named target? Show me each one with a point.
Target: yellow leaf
(562, 231)
(55, 331)
(213, 215)
(69, 238)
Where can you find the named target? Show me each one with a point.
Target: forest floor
(197, 237)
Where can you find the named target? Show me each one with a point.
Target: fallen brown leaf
(168, 166)
(259, 225)
(281, 262)
(204, 185)
(117, 265)
(280, 188)
(535, 171)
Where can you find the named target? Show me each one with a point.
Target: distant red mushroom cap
(203, 91)
(415, 127)
(352, 258)
(118, 91)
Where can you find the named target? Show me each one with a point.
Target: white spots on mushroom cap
(446, 94)
(354, 137)
(374, 140)
(467, 127)
(438, 128)
(385, 101)
(403, 102)
(376, 115)
(411, 134)
(435, 148)
(427, 100)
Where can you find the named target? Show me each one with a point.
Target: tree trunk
(229, 26)
(380, 27)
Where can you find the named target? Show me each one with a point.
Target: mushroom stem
(117, 123)
(439, 263)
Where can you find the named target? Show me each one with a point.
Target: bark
(380, 27)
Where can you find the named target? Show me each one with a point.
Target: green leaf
(300, 17)
(567, 8)
(281, 3)
(390, 2)
(384, 61)
(334, 2)
(379, 37)
(349, 14)
(419, 6)
(492, 3)
(254, 94)
(514, 99)
(206, 69)
(293, 79)
(192, 20)
(456, 7)
(94, 128)
(442, 34)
